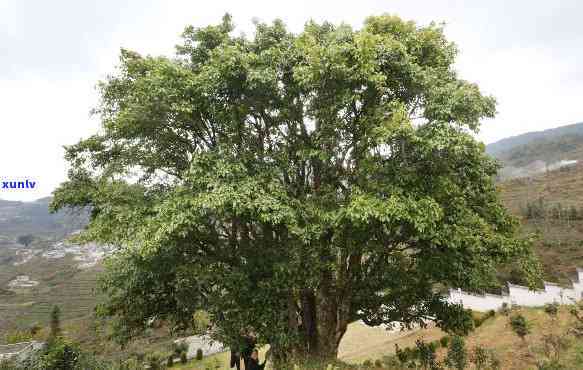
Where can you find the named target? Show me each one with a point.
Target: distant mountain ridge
(18, 218)
(539, 151)
(518, 140)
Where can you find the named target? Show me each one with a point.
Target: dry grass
(563, 185)
(361, 342)
(559, 243)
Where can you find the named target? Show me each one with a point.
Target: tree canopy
(290, 183)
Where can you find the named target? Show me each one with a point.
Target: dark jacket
(248, 347)
(254, 365)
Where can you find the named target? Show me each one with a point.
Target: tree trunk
(327, 316)
(310, 333)
(323, 324)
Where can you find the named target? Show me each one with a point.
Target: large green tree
(292, 183)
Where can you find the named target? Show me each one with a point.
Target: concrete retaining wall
(520, 295)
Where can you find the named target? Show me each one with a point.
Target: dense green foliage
(291, 183)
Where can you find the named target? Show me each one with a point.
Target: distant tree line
(540, 210)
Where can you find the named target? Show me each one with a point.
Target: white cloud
(534, 89)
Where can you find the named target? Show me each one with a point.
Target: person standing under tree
(253, 362)
(248, 348)
(242, 350)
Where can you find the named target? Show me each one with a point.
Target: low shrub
(140, 357)
(60, 355)
(505, 309)
(199, 354)
(405, 355)
(444, 341)
(183, 358)
(479, 357)
(552, 309)
(391, 361)
(457, 355)
(180, 347)
(478, 321)
(519, 325)
(154, 361)
(426, 354)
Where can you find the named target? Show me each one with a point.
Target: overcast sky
(52, 53)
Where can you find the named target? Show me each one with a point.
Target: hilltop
(510, 143)
(537, 152)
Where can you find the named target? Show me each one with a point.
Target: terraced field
(559, 242)
(563, 186)
(59, 283)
